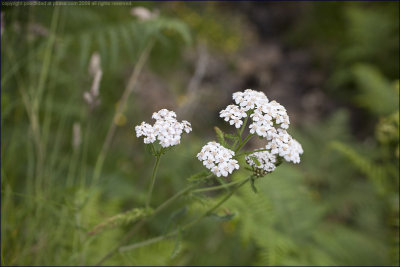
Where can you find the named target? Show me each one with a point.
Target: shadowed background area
(75, 80)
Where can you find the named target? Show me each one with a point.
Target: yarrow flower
(249, 99)
(218, 159)
(268, 120)
(234, 115)
(263, 161)
(167, 130)
(285, 146)
(265, 115)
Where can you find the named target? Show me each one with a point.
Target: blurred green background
(333, 65)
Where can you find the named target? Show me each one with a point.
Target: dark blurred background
(333, 65)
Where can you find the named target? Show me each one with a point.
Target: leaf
(220, 136)
(249, 169)
(166, 149)
(375, 172)
(150, 149)
(199, 198)
(376, 92)
(279, 161)
(253, 186)
(255, 160)
(121, 219)
(199, 176)
(178, 245)
(174, 217)
(231, 136)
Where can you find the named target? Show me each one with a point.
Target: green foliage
(367, 27)
(51, 178)
(158, 254)
(220, 136)
(298, 210)
(121, 219)
(199, 176)
(253, 186)
(347, 34)
(338, 207)
(376, 93)
(378, 174)
(387, 130)
(218, 30)
(118, 38)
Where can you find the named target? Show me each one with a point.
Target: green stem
(187, 226)
(142, 221)
(222, 184)
(173, 198)
(244, 125)
(244, 142)
(240, 132)
(153, 181)
(46, 59)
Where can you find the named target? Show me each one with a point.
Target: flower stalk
(153, 180)
(268, 120)
(186, 226)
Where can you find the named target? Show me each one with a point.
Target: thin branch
(244, 142)
(240, 132)
(139, 224)
(153, 181)
(185, 227)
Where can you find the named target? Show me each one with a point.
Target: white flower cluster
(167, 130)
(218, 159)
(269, 120)
(250, 99)
(285, 146)
(234, 115)
(264, 113)
(266, 161)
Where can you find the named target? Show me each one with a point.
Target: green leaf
(165, 150)
(279, 161)
(174, 217)
(121, 219)
(150, 149)
(199, 176)
(220, 136)
(255, 160)
(199, 198)
(376, 92)
(249, 169)
(178, 245)
(253, 187)
(231, 136)
(375, 172)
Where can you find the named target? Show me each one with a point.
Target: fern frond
(120, 219)
(376, 173)
(376, 92)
